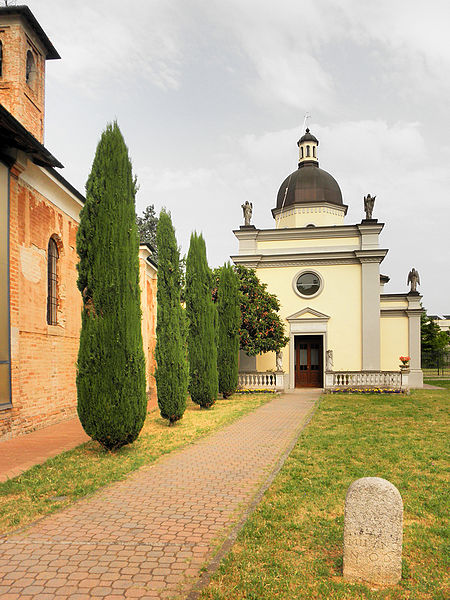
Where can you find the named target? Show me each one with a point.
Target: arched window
(314, 151)
(52, 282)
(301, 152)
(307, 151)
(31, 68)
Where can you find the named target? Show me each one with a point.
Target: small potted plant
(405, 362)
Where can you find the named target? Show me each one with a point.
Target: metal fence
(436, 364)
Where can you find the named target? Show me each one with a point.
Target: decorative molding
(310, 258)
(310, 208)
(411, 312)
(369, 228)
(371, 255)
(317, 315)
(300, 233)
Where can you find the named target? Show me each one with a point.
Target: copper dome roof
(307, 137)
(309, 184)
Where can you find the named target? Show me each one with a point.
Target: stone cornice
(310, 258)
(397, 297)
(414, 311)
(299, 233)
(393, 312)
(372, 228)
(393, 297)
(371, 255)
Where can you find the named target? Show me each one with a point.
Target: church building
(40, 305)
(344, 331)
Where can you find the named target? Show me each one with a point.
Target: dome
(309, 184)
(308, 137)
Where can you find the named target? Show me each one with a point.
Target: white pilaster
(414, 312)
(370, 299)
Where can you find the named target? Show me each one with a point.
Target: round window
(308, 283)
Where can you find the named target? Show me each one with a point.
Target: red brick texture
(43, 357)
(148, 536)
(23, 99)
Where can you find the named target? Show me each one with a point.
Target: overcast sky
(211, 96)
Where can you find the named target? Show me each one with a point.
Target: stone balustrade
(261, 381)
(366, 379)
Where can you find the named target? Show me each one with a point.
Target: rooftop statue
(247, 207)
(369, 202)
(413, 279)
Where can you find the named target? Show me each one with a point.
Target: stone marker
(373, 531)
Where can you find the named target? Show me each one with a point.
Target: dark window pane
(308, 283)
(52, 288)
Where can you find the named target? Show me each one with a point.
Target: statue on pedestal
(329, 360)
(413, 279)
(279, 360)
(247, 207)
(369, 202)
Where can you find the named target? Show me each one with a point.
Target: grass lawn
(88, 467)
(291, 547)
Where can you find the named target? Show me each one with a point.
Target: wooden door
(308, 361)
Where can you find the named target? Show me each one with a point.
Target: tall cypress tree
(229, 320)
(202, 320)
(172, 368)
(112, 401)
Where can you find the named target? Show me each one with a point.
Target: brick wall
(24, 100)
(43, 357)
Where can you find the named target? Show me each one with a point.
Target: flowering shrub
(405, 359)
(261, 329)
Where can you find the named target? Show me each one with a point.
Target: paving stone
(146, 536)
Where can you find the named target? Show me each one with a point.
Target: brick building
(40, 305)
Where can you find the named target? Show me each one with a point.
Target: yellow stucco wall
(301, 217)
(393, 341)
(311, 244)
(267, 362)
(340, 299)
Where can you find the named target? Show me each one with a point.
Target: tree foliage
(111, 364)
(172, 367)
(261, 328)
(434, 343)
(229, 320)
(147, 225)
(202, 323)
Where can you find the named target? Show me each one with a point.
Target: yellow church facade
(343, 329)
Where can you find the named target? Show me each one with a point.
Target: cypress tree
(172, 368)
(112, 402)
(229, 320)
(202, 318)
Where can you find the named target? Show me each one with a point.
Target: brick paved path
(147, 537)
(23, 452)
